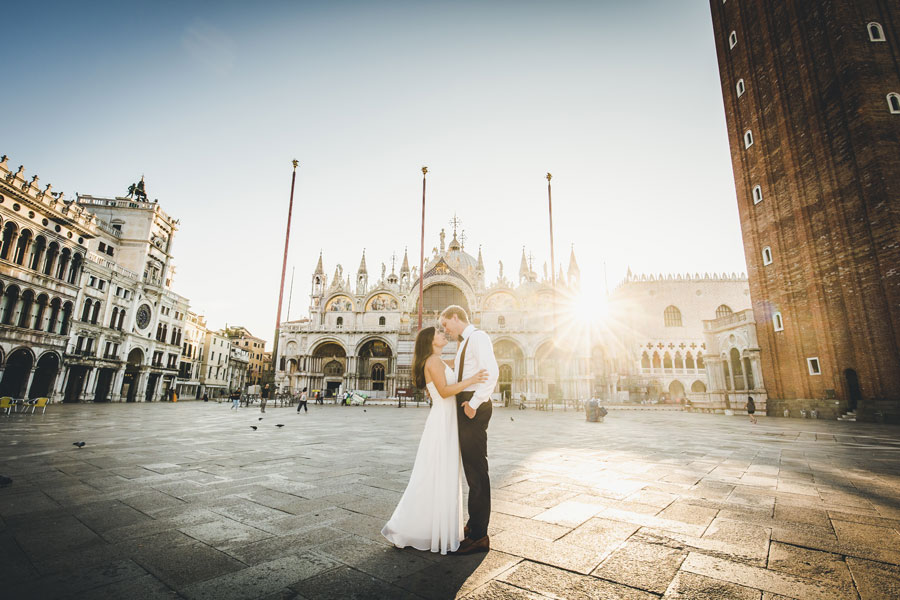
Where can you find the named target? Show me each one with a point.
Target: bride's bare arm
(434, 369)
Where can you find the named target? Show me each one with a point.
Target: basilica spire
(523, 267)
(362, 276)
(404, 268)
(480, 266)
(320, 270)
(362, 264)
(574, 271)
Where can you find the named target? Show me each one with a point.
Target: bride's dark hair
(424, 340)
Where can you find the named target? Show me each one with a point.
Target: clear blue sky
(211, 101)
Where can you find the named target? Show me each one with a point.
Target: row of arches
(666, 361)
(39, 312)
(23, 248)
(23, 377)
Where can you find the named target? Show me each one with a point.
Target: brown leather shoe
(468, 546)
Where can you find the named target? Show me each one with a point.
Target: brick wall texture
(826, 155)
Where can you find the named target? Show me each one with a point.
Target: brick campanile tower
(812, 103)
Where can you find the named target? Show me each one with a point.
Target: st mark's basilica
(657, 337)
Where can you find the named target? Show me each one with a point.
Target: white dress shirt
(479, 355)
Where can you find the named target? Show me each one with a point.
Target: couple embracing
(429, 516)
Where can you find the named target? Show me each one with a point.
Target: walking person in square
(302, 402)
(264, 397)
(751, 409)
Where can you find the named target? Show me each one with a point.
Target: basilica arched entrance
(511, 360)
(44, 376)
(327, 367)
(375, 366)
(131, 379)
(549, 366)
(16, 373)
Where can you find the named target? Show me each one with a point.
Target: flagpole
(422, 253)
(287, 239)
(290, 294)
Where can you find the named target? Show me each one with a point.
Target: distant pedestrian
(319, 399)
(235, 399)
(205, 397)
(302, 402)
(264, 397)
(751, 408)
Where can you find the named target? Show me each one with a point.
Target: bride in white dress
(429, 516)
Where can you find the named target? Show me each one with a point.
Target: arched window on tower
(382, 321)
(339, 323)
(86, 312)
(767, 255)
(740, 87)
(893, 101)
(757, 194)
(114, 318)
(748, 138)
(732, 39)
(723, 311)
(876, 33)
(778, 322)
(501, 322)
(672, 316)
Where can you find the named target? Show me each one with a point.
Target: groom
(475, 352)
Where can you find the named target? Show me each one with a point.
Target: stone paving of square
(186, 500)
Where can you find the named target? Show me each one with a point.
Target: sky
(211, 101)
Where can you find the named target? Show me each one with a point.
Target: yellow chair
(40, 403)
(6, 404)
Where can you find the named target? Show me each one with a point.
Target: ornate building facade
(360, 334)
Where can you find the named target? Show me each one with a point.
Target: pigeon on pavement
(280, 425)
(253, 427)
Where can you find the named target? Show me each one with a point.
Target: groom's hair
(453, 309)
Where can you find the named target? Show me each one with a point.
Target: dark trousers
(473, 446)
(302, 404)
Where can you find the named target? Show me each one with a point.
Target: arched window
(281, 362)
(672, 316)
(667, 361)
(656, 361)
(96, 313)
(689, 361)
(700, 364)
(64, 257)
(757, 194)
(732, 39)
(66, 318)
(382, 321)
(10, 233)
(893, 101)
(50, 262)
(723, 311)
(54, 315)
(876, 33)
(679, 361)
(778, 322)
(23, 246)
(737, 369)
(698, 387)
(378, 377)
(114, 318)
(121, 320)
(501, 322)
(334, 369)
(27, 303)
(645, 361)
(339, 323)
(767, 255)
(740, 87)
(86, 311)
(10, 300)
(748, 370)
(748, 138)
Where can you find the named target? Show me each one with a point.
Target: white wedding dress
(429, 515)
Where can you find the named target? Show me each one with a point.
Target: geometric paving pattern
(187, 501)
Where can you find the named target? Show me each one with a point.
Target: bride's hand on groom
(479, 377)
